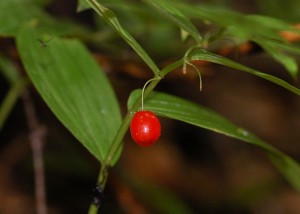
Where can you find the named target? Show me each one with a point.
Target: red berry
(145, 128)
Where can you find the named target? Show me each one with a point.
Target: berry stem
(118, 140)
(126, 121)
(145, 87)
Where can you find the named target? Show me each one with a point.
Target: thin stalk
(111, 19)
(37, 136)
(103, 174)
(11, 98)
(124, 127)
(118, 140)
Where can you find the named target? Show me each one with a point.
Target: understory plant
(58, 62)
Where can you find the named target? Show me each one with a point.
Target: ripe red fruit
(145, 128)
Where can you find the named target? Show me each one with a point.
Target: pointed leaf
(188, 112)
(201, 54)
(74, 87)
(287, 61)
(180, 109)
(82, 5)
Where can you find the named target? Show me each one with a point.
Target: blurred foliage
(287, 10)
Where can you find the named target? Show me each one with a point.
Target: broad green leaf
(108, 16)
(176, 108)
(73, 86)
(201, 54)
(177, 17)
(13, 13)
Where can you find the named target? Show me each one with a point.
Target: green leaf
(13, 13)
(73, 86)
(177, 17)
(176, 108)
(260, 29)
(257, 28)
(244, 26)
(287, 61)
(280, 52)
(201, 54)
(82, 5)
(109, 17)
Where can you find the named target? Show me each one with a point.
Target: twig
(37, 134)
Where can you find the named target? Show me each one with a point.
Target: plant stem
(110, 18)
(124, 127)
(103, 174)
(11, 98)
(118, 140)
(37, 135)
(93, 209)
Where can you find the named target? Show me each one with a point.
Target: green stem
(124, 127)
(11, 98)
(93, 209)
(103, 174)
(118, 140)
(111, 19)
